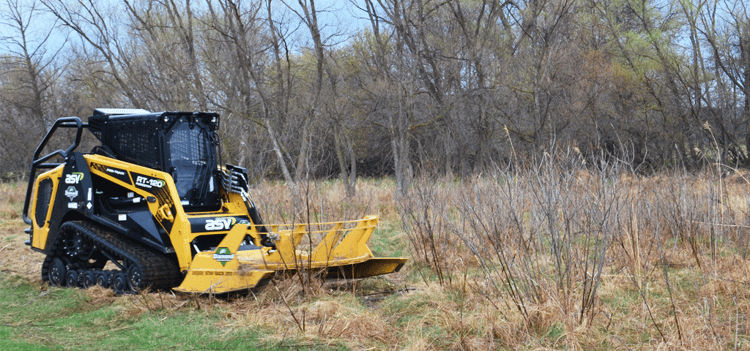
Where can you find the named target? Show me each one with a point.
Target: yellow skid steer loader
(153, 200)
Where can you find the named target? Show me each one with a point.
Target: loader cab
(183, 144)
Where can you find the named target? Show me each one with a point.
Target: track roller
(57, 272)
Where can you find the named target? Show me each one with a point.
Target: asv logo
(73, 178)
(220, 223)
(145, 182)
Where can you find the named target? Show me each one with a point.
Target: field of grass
(547, 258)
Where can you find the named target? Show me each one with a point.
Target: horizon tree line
(448, 88)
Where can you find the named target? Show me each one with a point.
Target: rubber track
(56, 251)
(45, 267)
(159, 272)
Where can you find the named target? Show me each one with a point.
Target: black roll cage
(38, 162)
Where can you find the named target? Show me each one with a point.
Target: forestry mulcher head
(153, 201)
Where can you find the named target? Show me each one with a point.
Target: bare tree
(92, 23)
(258, 69)
(28, 72)
(168, 46)
(725, 26)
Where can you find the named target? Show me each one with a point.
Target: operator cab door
(192, 164)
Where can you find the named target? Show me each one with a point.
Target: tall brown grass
(553, 255)
(12, 196)
(593, 250)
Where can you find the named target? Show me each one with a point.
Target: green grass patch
(39, 318)
(389, 240)
(9, 342)
(408, 308)
(622, 302)
(554, 335)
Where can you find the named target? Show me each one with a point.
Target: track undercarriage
(82, 251)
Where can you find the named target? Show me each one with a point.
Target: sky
(9, 35)
(338, 20)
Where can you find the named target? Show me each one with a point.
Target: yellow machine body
(149, 201)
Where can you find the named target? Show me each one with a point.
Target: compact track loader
(153, 200)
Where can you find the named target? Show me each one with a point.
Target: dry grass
(325, 201)
(600, 259)
(540, 259)
(11, 199)
(15, 257)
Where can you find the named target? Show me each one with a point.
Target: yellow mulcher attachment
(342, 253)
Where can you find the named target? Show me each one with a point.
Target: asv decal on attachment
(223, 255)
(220, 223)
(148, 183)
(73, 178)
